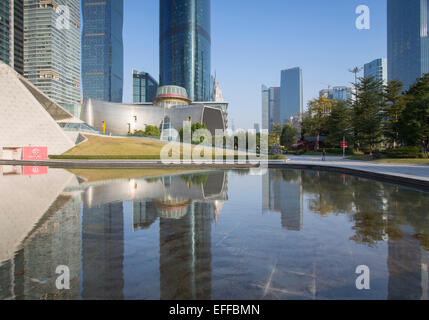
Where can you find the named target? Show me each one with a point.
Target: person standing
(324, 155)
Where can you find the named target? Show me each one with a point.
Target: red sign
(34, 153)
(344, 144)
(34, 171)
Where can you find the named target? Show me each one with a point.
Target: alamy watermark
(63, 280)
(363, 280)
(224, 147)
(363, 21)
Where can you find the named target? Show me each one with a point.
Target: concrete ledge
(124, 164)
(395, 178)
(384, 177)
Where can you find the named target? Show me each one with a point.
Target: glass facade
(52, 48)
(102, 50)
(185, 46)
(407, 40)
(5, 31)
(12, 33)
(291, 94)
(376, 69)
(144, 87)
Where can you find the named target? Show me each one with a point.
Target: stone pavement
(405, 171)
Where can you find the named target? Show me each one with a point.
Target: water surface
(280, 234)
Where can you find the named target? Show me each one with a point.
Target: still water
(148, 234)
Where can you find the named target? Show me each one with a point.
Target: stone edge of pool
(409, 180)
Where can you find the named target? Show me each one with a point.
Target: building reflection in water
(81, 225)
(282, 192)
(59, 219)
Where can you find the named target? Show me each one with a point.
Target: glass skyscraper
(102, 50)
(185, 46)
(12, 33)
(52, 48)
(407, 40)
(144, 87)
(291, 94)
(376, 69)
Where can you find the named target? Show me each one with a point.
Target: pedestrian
(324, 155)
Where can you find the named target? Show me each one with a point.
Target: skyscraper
(185, 46)
(103, 50)
(12, 33)
(144, 87)
(52, 48)
(407, 40)
(265, 107)
(291, 94)
(376, 69)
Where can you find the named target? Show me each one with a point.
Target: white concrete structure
(29, 118)
(21, 208)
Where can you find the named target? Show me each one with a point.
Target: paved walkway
(406, 171)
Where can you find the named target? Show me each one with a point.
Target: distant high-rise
(291, 94)
(144, 87)
(12, 33)
(407, 40)
(265, 107)
(341, 93)
(185, 46)
(103, 50)
(376, 69)
(270, 107)
(52, 48)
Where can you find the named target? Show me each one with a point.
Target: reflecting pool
(246, 234)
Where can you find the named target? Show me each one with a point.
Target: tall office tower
(103, 50)
(274, 107)
(265, 107)
(144, 87)
(12, 33)
(52, 48)
(342, 93)
(407, 40)
(185, 46)
(376, 69)
(270, 107)
(291, 94)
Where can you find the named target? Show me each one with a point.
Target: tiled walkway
(418, 172)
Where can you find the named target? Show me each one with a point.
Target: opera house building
(168, 111)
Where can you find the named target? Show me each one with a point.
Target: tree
(394, 105)
(339, 122)
(274, 136)
(414, 122)
(367, 113)
(150, 131)
(315, 122)
(289, 135)
(194, 127)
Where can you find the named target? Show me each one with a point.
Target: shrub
(404, 152)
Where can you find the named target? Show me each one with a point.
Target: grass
(114, 148)
(107, 148)
(94, 175)
(363, 157)
(408, 160)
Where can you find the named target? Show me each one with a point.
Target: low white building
(30, 118)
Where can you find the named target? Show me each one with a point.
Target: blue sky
(252, 40)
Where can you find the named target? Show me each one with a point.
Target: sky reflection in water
(286, 234)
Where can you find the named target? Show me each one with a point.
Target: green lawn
(98, 147)
(389, 160)
(108, 148)
(410, 161)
